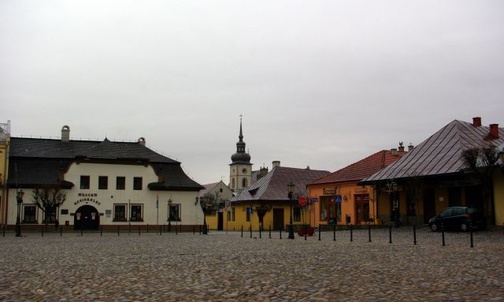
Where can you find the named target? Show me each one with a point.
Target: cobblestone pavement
(229, 267)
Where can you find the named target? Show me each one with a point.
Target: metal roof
(441, 153)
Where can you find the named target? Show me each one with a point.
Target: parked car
(458, 219)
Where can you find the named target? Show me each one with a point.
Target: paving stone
(226, 267)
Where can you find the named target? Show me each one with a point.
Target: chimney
(477, 121)
(65, 134)
(410, 147)
(276, 163)
(393, 151)
(401, 147)
(494, 130)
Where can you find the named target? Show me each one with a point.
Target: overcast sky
(319, 83)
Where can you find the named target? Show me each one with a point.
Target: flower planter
(307, 231)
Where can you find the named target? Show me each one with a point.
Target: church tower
(240, 176)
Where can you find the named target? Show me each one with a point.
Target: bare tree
(482, 163)
(49, 198)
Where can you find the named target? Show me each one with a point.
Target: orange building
(337, 199)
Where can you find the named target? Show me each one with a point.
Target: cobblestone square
(228, 267)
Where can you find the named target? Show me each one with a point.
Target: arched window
(244, 183)
(233, 183)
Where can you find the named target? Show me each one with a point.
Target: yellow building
(266, 204)
(4, 157)
(498, 186)
(337, 199)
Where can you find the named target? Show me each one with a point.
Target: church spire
(240, 156)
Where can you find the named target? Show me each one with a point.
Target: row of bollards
(350, 228)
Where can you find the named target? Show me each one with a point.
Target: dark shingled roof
(273, 186)
(363, 168)
(440, 154)
(42, 161)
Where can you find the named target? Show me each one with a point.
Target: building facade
(436, 175)
(4, 168)
(337, 199)
(103, 184)
(216, 199)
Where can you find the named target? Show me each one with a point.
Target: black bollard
(61, 231)
(280, 233)
(176, 230)
(270, 231)
(351, 233)
(369, 232)
(3, 231)
(334, 233)
(242, 231)
(414, 234)
(42, 232)
(101, 230)
(147, 228)
(250, 229)
(319, 233)
(471, 235)
(138, 230)
(442, 234)
(260, 232)
(390, 234)
(118, 231)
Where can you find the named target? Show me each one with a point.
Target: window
(30, 214)
(249, 212)
(136, 212)
(296, 212)
(137, 183)
(228, 214)
(102, 182)
(330, 210)
(84, 182)
(120, 183)
(174, 212)
(119, 212)
(233, 214)
(244, 182)
(50, 215)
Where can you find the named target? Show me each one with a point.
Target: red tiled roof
(441, 153)
(363, 168)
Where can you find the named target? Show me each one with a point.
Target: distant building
(266, 203)
(107, 184)
(217, 197)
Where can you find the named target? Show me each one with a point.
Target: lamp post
(290, 187)
(19, 199)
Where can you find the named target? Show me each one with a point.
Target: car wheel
(464, 227)
(434, 227)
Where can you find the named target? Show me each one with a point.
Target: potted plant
(305, 229)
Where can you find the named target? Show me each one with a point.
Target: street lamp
(19, 198)
(290, 187)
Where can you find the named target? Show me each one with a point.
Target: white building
(107, 184)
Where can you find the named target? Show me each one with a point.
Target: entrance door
(361, 208)
(220, 221)
(278, 219)
(86, 218)
(429, 204)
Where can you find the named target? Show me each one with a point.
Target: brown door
(429, 204)
(278, 219)
(361, 208)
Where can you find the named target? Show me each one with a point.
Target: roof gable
(363, 168)
(273, 186)
(441, 153)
